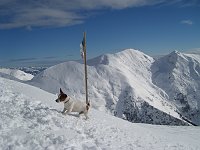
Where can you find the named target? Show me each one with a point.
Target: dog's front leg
(64, 111)
(69, 111)
(86, 115)
(70, 108)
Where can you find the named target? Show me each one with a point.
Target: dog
(71, 105)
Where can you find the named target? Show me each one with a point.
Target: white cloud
(30, 15)
(57, 13)
(187, 22)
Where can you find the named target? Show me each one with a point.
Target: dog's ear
(61, 92)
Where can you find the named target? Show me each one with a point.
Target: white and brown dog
(71, 105)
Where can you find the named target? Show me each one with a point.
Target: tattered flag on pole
(81, 51)
(82, 48)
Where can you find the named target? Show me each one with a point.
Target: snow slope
(120, 84)
(31, 119)
(15, 73)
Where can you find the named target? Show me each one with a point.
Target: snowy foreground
(31, 119)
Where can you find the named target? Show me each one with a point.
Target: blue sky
(44, 31)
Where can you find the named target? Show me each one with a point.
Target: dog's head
(61, 97)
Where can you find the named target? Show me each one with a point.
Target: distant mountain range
(15, 74)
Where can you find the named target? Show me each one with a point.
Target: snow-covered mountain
(31, 119)
(15, 74)
(178, 74)
(124, 84)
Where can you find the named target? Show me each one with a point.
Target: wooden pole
(85, 66)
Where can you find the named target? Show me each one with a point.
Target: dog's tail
(88, 106)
